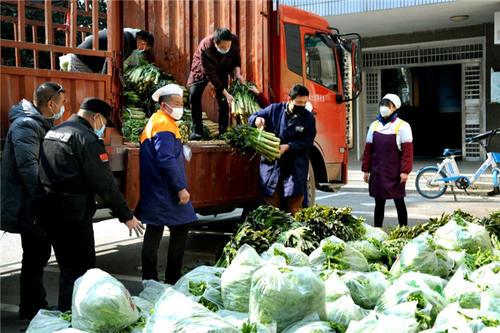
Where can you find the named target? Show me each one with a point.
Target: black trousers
(36, 254)
(195, 94)
(176, 247)
(400, 208)
(74, 246)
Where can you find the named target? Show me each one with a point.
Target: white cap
(394, 99)
(169, 89)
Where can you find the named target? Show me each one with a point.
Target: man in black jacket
(29, 123)
(73, 168)
(133, 39)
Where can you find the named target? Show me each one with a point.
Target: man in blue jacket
(29, 123)
(283, 181)
(165, 200)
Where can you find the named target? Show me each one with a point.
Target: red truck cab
(307, 51)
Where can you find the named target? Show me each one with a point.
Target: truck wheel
(311, 187)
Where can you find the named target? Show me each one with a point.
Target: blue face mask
(100, 132)
(58, 115)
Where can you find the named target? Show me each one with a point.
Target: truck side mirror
(351, 59)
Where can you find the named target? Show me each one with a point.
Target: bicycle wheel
(424, 184)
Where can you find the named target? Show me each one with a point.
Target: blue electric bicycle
(432, 181)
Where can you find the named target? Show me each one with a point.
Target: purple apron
(385, 181)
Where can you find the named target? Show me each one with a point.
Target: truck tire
(311, 187)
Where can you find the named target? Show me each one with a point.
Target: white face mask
(385, 111)
(176, 112)
(56, 116)
(221, 51)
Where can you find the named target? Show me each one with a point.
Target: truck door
(321, 75)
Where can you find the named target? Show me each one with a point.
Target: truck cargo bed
(218, 176)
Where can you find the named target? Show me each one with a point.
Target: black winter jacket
(19, 173)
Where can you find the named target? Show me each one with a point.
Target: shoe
(496, 191)
(195, 137)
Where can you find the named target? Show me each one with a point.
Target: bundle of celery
(134, 120)
(244, 103)
(250, 139)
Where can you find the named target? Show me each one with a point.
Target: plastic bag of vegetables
(285, 294)
(460, 289)
(237, 279)
(381, 323)
(203, 285)
(334, 287)
(293, 257)
(422, 255)
(153, 290)
(344, 310)
(101, 303)
(366, 288)
(487, 276)
(334, 253)
(453, 318)
(429, 300)
(376, 233)
(369, 248)
(47, 321)
(176, 312)
(308, 326)
(459, 234)
(242, 320)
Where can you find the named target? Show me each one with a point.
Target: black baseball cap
(96, 105)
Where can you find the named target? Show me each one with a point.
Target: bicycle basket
(496, 157)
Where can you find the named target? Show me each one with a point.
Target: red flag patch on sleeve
(104, 157)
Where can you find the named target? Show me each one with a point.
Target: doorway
(431, 103)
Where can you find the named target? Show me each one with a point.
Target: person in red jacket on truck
(388, 159)
(216, 58)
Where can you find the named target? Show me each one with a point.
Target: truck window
(320, 62)
(293, 51)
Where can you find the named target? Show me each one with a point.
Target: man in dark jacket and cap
(28, 124)
(74, 168)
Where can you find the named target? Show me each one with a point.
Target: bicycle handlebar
(482, 136)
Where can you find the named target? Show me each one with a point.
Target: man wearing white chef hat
(165, 200)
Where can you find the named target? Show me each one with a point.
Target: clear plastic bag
(307, 326)
(461, 289)
(459, 234)
(203, 284)
(368, 249)
(241, 319)
(334, 287)
(101, 303)
(153, 290)
(344, 310)
(422, 255)
(237, 279)
(47, 321)
(414, 287)
(366, 288)
(175, 312)
(285, 294)
(373, 232)
(292, 256)
(344, 256)
(380, 323)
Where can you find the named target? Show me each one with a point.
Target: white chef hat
(394, 99)
(169, 89)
